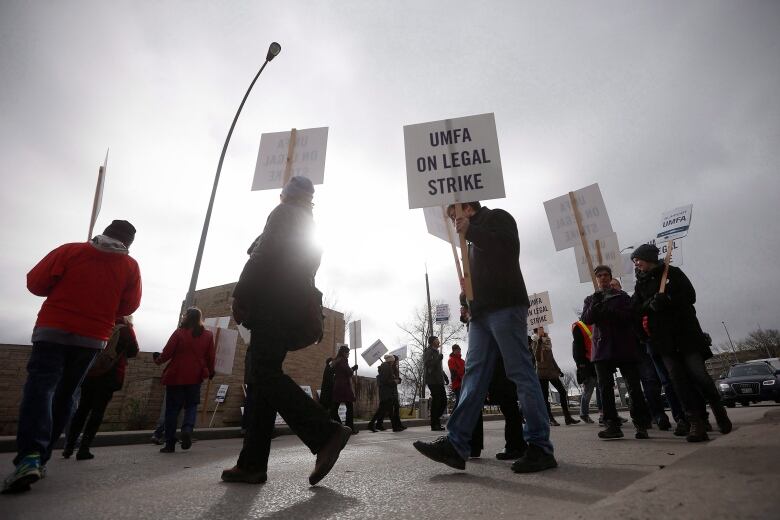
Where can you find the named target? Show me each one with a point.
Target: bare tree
(412, 368)
(761, 342)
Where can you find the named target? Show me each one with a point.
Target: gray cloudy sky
(661, 103)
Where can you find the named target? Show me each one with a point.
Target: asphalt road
(379, 475)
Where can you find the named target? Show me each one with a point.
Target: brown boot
(329, 454)
(698, 432)
(721, 417)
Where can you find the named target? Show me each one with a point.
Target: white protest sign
(610, 256)
(663, 248)
(400, 352)
(675, 223)
(308, 157)
(355, 335)
(221, 394)
(627, 279)
(226, 349)
(540, 310)
(374, 352)
(593, 216)
(437, 225)
(453, 160)
(442, 313)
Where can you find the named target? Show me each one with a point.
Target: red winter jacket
(192, 359)
(85, 289)
(457, 370)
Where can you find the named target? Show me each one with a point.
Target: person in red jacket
(457, 369)
(191, 353)
(86, 285)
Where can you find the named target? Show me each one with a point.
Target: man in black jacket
(435, 378)
(275, 282)
(499, 311)
(670, 322)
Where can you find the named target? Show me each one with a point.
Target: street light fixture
(273, 51)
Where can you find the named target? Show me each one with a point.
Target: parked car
(752, 382)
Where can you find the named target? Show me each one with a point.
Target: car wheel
(745, 403)
(732, 404)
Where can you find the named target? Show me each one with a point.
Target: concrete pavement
(381, 475)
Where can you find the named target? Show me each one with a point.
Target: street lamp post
(733, 350)
(273, 50)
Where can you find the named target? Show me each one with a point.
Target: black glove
(660, 302)
(354, 368)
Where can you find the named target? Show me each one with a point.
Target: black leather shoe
(512, 454)
(535, 459)
(186, 440)
(248, 476)
(329, 454)
(442, 451)
(438, 428)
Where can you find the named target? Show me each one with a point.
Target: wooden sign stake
(577, 218)
(452, 243)
(464, 251)
(598, 252)
(289, 161)
(667, 261)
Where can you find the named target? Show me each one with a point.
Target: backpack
(109, 356)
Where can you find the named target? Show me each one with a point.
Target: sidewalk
(735, 476)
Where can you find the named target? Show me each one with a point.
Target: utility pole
(733, 350)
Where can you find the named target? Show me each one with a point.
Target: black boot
(612, 431)
(682, 428)
(698, 432)
(718, 410)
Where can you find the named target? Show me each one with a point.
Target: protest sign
(604, 251)
(355, 335)
(453, 160)
(401, 352)
(226, 351)
(442, 313)
(306, 148)
(592, 212)
(97, 203)
(374, 352)
(540, 311)
(675, 223)
(663, 249)
(221, 394)
(438, 224)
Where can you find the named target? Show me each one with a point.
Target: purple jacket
(342, 384)
(614, 338)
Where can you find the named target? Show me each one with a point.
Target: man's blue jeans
(587, 392)
(500, 331)
(54, 373)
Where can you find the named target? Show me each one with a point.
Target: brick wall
(137, 405)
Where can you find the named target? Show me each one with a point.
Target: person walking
(343, 391)
(499, 310)
(674, 333)
(435, 379)
(582, 352)
(615, 346)
(106, 376)
(457, 369)
(86, 285)
(549, 373)
(190, 354)
(276, 299)
(395, 414)
(326, 387)
(386, 384)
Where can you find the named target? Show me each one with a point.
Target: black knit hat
(121, 230)
(646, 252)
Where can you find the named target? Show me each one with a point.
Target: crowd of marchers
(84, 335)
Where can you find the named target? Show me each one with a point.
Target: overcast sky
(661, 103)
